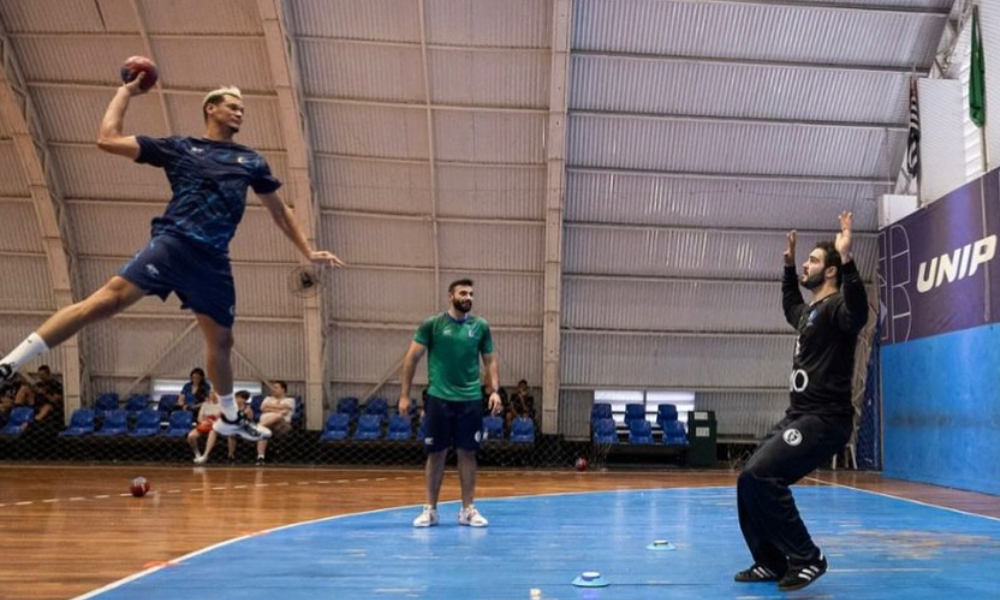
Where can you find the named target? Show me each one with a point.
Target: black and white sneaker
(6, 372)
(799, 577)
(241, 427)
(757, 574)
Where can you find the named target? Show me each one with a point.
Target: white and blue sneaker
(428, 518)
(471, 517)
(241, 427)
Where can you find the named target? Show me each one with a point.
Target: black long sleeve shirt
(823, 363)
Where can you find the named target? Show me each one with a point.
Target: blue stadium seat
(400, 428)
(106, 402)
(137, 402)
(634, 412)
(81, 423)
(369, 427)
(147, 423)
(664, 413)
(522, 431)
(492, 428)
(255, 401)
(20, 416)
(600, 410)
(299, 414)
(166, 405)
(605, 431)
(377, 406)
(674, 434)
(336, 427)
(350, 407)
(181, 422)
(640, 432)
(115, 423)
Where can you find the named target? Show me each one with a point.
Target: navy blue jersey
(209, 180)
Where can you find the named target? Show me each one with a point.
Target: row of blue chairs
(353, 408)
(634, 412)
(400, 428)
(120, 422)
(19, 418)
(167, 404)
(640, 433)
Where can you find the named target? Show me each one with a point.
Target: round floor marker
(661, 545)
(590, 579)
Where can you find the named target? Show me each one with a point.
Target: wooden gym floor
(68, 530)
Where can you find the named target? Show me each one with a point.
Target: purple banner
(937, 270)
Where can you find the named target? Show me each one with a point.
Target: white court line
(910, 500)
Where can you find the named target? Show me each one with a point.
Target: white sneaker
(471, 517)
(241, 427)
(428, 518)
(200, 459)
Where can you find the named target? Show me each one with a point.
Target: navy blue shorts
(201, 277)
(452, 424)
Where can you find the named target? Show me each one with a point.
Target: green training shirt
(453, 349)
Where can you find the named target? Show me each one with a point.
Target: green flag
(977, 77)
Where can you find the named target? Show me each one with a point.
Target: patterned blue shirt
(209, 180)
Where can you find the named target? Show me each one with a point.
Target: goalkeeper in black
(819, 420)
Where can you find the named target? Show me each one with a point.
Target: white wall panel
(381, 296)
(574, 413)
(66, 16)
(20, 228)
(489, 77)
(199, 62)
(261, 128)
(744, 413)
(278, 349)
(344, 69)
(731, 147)
(87, 172)
(645, 305)
(491, 192)
(389, 20)
(27, 285)
(520, 357)
(472, 246)
(388, 132)
(757, 32)
(74, 115)
(356, 184)
(514, 23)
(647, 199)
(644, 85)
(676, 361)
(13, 183)
(57, 58)
(503, 299)
(262, 291)
(196, 17)
(366, 355)
(691, 252)
(379, 241)
(111, 229)
(490, 137)
(129, 346)
(259, 239)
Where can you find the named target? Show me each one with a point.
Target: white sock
(31, 347)
(228, 406)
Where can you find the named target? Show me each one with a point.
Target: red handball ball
(582, 464)
(140, 487)
(140, 64)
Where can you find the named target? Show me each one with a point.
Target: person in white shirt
(207, 414)
(276, 413)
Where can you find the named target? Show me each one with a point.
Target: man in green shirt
(454, 412)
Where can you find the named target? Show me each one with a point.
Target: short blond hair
(216, 96)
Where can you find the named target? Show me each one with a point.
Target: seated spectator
(46, 396)
(242, 405)
(207, 414)
(522, 404)
(276, 413)
(8, 391)
(195, 392)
